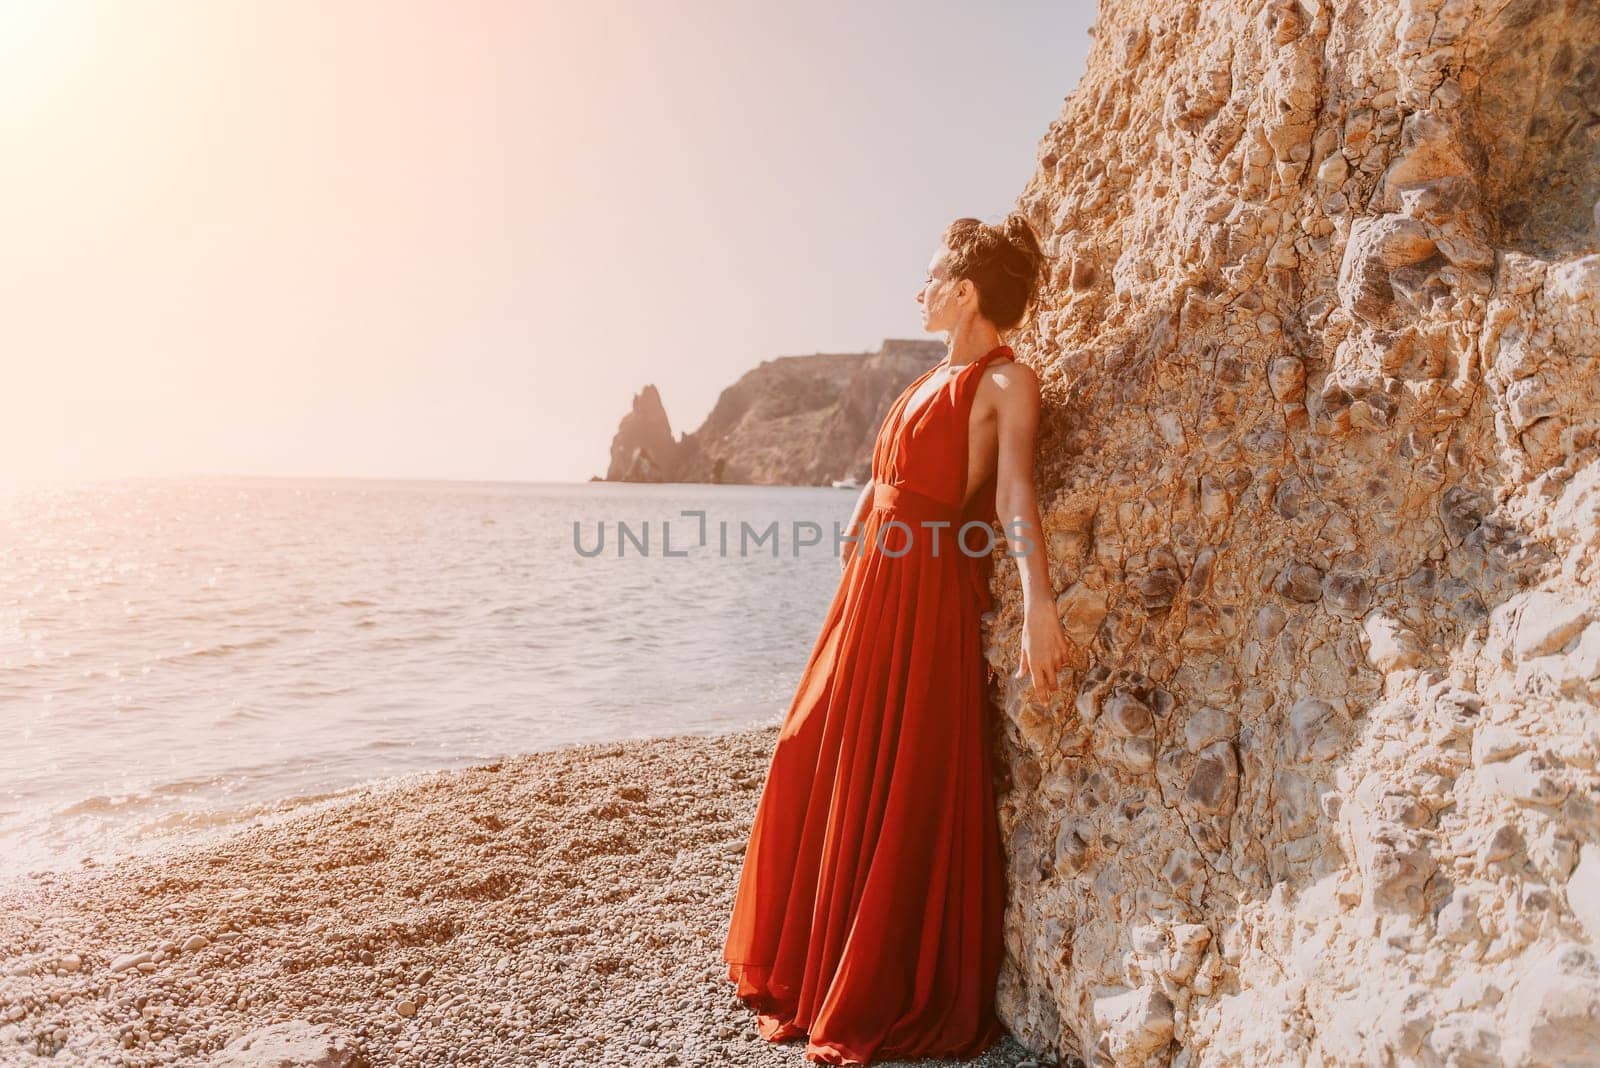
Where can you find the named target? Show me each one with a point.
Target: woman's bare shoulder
(1011, 382)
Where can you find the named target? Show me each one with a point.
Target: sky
(453, 240)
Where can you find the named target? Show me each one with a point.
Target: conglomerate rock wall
(1320, 460)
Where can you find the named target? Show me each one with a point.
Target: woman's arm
(853, 528)
(1044, 642)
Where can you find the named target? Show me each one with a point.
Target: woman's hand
(1044, 649)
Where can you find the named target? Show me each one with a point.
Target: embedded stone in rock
(1092, 693)
(1532, 399)
(1270, 619)
(1583, 890)
(1299, 582)
(1466, 1038)
(1505, 842)
(1347, 595)
(1429, 153)
(1216, 504)
(1081, 610)
(1156, 587)
(1528, 777)
(1553, 1013)
(1457, 921)
(1136, 1023)
(1215, 782)
(1391, 645)
(1319, 730)
(1461, 511)
(1074, 845)
(1377, 246)
(1288, 380)
(1395, 864)
(1497, 743)
(1460, 708)
(1136, 755)
(1535, 623)
(1286, 499)
(1189, 942)
(1208, 725)
(1125, 715)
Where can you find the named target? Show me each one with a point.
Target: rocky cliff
(792, 420)
(1321, 470)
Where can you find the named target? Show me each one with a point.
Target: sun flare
(43, 47)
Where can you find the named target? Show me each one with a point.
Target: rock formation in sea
(792, 420)
(1320, 348)
(642, 450)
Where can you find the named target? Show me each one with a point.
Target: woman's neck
(970, 341)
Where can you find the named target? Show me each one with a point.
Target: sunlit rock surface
(1319, 459)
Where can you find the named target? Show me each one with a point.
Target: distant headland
(790, 421)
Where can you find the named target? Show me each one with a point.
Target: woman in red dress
(868, 912)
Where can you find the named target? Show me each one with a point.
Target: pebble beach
(561, 908)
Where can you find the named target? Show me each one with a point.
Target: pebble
(130, 960)
(472, 983)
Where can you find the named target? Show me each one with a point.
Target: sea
(181, 658)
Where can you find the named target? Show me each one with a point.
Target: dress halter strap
(1003, 351)
(998, 350)
(957, 389)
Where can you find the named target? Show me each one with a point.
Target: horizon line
(13, 482)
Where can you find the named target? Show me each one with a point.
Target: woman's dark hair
(1003, 261)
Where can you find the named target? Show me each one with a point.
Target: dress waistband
(908, 502)
(910, 506)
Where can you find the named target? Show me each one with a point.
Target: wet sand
(559, 908)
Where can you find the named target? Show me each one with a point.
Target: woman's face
(939, 295)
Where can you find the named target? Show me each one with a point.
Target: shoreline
(273, 809)
(562, 907)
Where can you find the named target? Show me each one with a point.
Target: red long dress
(868, 913)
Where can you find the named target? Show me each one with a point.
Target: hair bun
(1004, 260)
(1021, 234)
